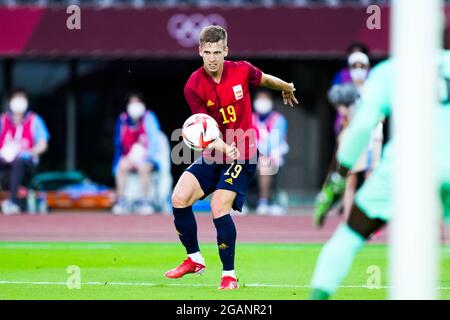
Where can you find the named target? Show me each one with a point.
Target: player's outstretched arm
(287, 89)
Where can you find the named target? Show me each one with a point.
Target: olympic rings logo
(186, 28)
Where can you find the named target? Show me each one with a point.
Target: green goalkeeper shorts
(375, 197)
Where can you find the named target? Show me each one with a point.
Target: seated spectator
(23, 138)
(136, 142)
(272, 130)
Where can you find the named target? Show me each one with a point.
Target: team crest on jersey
(209, 103)
(238, 92)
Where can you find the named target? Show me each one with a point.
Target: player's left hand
(331, 192)
(232, 151)
(288, 95)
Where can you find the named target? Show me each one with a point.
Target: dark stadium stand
(169, 3)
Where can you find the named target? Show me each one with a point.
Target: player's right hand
(331, 192)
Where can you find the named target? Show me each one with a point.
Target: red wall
(321, 31)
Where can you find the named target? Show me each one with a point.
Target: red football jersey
(228, 102)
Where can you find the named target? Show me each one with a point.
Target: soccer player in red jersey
(220, 89)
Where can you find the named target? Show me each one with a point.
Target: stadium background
(78, 78)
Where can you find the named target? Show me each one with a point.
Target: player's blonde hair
(213, 34)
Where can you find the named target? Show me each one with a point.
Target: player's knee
(124, 166)
(219, 207)
(180, 200)
(359, 222)
(145, 168)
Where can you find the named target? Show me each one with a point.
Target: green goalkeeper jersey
(376, 104)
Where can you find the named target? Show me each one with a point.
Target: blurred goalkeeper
(372, 207)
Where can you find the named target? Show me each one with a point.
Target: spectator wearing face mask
(272, 131)
(136, 149)
(358, 63)
(343, 76)
(23, 138)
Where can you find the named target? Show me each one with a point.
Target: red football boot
(188, 266)
(228, 282)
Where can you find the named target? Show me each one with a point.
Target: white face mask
(18, 105)
(263, 105)
(358, 74)
(136, 110)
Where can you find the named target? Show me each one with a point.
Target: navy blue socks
(226, 240)
(187, 228)
(226, 235)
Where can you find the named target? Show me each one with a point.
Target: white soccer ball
(199, 131)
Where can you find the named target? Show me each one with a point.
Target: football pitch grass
(41, 270)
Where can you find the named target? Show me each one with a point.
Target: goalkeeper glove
(331, 192)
